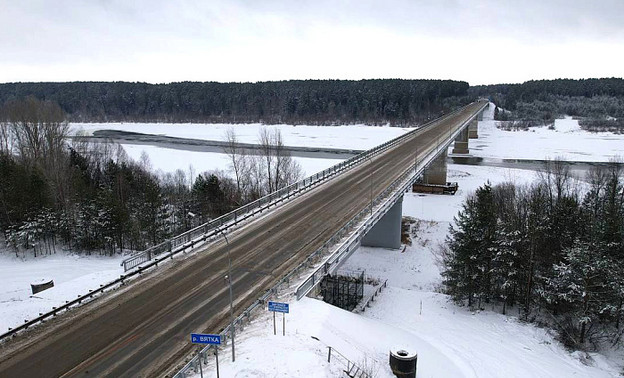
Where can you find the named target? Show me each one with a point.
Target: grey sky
(489, 41)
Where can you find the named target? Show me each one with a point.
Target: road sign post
(201, 371)
(284, 309)
(202, 338)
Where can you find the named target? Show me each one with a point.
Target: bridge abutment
(387, 232)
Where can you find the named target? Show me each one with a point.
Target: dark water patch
(201, 145)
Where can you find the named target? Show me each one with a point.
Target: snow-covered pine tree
(581, 288)
(472, 244)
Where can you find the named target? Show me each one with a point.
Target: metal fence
(353, 231)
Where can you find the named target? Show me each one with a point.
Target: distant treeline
(545, 100)
(392, 101)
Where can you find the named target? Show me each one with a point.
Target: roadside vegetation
(90, 197)
(553, 250)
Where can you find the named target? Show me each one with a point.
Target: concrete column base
(460, 148)
(461, 143)
(473, 130)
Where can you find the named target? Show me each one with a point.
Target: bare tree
(239, 161)
(557, 177)
(37, 133)
(6, 145)
(267, 150)
(281, 169)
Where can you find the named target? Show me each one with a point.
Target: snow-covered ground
(347, 136)
(567, 141)
(450, 340)
(169, 160)
(73, 275)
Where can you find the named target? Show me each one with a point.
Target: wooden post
(274, 326)
(283, 324)
(329, 355)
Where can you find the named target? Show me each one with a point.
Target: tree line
(392, 101)
(90, 196)
(541, 101)
(553, 250)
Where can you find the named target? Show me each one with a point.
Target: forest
(552, 250)
(598, 103)
(90, 197)
(323, 102)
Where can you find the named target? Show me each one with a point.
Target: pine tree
(581, 286)
(472, 245)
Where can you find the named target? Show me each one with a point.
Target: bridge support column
(461, 142)
(473, 129)
(435, 174)
(387, 232)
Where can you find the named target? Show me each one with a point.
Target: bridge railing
(389, 196)
(213, 227)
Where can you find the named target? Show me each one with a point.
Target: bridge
(142, 328)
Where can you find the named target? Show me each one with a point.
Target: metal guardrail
(372, 297)
(341, 253)
(242, 213)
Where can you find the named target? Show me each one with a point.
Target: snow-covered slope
(73, 275)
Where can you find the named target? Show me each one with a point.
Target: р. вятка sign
(200, 338)
(278, 307)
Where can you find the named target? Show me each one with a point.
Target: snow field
(169, 160)
(73, 275)
(567, 141)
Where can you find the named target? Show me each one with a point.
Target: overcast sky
(482, 42)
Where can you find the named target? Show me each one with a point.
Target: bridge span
(142, 329)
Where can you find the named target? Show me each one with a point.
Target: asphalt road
(143, 329)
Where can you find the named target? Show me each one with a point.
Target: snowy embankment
(169, 160)
(73, 275)
(450, 340)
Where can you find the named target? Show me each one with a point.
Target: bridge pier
(473, 129)
(387, 232)
(435, 173)
(461, 142)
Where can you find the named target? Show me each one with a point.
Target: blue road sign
(200, 338)
(278, 307)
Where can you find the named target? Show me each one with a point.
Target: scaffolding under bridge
(344, 290)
